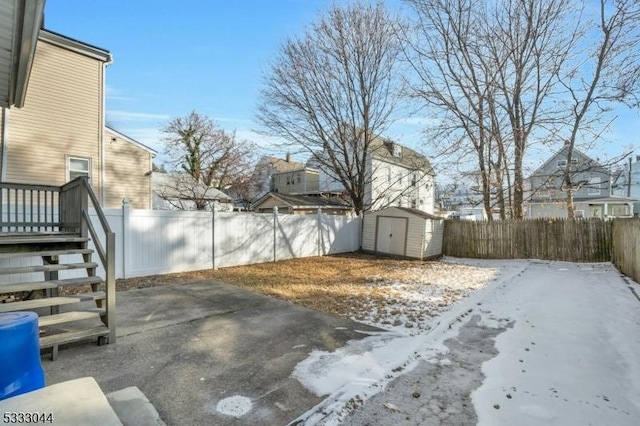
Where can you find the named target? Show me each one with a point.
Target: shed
(403, 231)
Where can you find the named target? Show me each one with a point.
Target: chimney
(637, 158)
(288, 157)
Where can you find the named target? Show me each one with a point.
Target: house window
(594, 186)
(414, 203)
(397, 150)
(78, 166)
(563, 163)
(619, 210)
(579, 214)
(388, 175)
(414, 179)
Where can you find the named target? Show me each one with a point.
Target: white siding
(62, 117)
(392, 185)
(424, 236)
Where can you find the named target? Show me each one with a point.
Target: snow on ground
(570, 358)
(572, 355)
(423, 293)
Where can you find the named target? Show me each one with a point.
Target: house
(460, 201)
(60, 132)
(626, 183)
(396, 176)
(302, 204)
(592, 194)
(300, 181)
(267, 166)
(52, 143)
(129, 165)
(179, 191)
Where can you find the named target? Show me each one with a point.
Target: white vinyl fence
(152, 242)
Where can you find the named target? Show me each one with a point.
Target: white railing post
(275, 233)
(126, 238)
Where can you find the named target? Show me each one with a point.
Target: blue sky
(171, 57)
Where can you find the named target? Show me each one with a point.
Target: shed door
(392, 233)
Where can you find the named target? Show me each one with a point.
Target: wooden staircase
(49, 248)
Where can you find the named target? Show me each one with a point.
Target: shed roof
(412, 211)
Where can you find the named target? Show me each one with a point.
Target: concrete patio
(189, 347)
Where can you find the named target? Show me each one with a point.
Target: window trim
(77, 157)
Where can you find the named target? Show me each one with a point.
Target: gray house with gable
(592, 196)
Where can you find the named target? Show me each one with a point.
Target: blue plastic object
(20, 368)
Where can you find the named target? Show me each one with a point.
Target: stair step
(39, 239)
(15, 287)
(96, 295)
(47, 268)
(72, 336)
(44, 253)
(48, 320)
(27, 305)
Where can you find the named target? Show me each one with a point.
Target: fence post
(213, 236)
(319, 231)
(126, 237)
(275, 232)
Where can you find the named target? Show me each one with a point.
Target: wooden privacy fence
(626, 247)
(584, 240)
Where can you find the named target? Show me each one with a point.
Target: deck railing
(28, 208)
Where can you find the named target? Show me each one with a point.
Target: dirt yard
(386, 292)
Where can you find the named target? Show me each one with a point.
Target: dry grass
(333, 284)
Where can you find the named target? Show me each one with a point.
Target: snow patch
(235, 406)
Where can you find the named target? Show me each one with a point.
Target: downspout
(103, 123)
(5, 138)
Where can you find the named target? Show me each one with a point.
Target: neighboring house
(626, 183)
(179, 192)
(305, 181)
(461, 202)
(397, 176)
(59, 134)
(267, 166)
(129, 165)
(546, 197)
(302, 204)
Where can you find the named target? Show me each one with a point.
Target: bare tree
(332, 92)
(180, 191)
(446, 50)
(211, 157)
(490, 69)
(605, 72)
